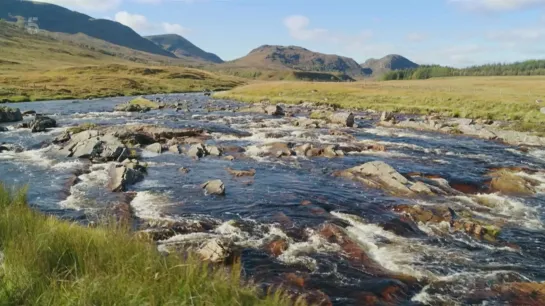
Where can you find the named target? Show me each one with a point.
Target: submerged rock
(508, 182)
(11, 147)
(3, 129)
(215, 187)
(41, 124)
(10, 115)
(241, 173)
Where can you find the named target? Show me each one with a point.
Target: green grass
(59, 66)
(497, 98)
(52, 262)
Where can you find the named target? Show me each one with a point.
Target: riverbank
(512, 99)
(46, 261)
(88, 82)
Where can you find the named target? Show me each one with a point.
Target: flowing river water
(293, 197)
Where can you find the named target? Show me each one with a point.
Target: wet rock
(29, 113)
(139, 104)
(216, 250)
(91, 144)
(459, 221)
(387, 117)
(302, 149)
(530, 294)
(402, 226)
(277, 149)
(64, 137)
(10, 115)
(155, 148)
(356, 253)
(3, 129)
(344, 118)
(41, 124)
(175, 149)
(149, 134)
(307, 123)
(184, 170)
(229, 158)
(213, 151)
(158, 230)
(11, 148)
(274, 110)
(378, 174)
(241, 173)
(277, 247)
(197, 151)
(122, 176)
(508, 182)
(215, 187)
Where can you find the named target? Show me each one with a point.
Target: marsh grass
(496, 98)
(52, 262)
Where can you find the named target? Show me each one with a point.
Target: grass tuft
(52, 262)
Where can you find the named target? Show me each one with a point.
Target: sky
(457, 33)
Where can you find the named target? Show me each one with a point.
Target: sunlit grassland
(47, 261)
(497, 98)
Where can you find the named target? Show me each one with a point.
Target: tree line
(530, 67)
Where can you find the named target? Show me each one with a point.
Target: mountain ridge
(181, 47)
(390, 62)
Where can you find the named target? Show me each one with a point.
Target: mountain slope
(377, 67)
(182, 47)
(297, 58)
(55, 18)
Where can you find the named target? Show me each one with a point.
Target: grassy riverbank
(53, 262)
(496, 98)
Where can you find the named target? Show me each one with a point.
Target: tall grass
(52, 262)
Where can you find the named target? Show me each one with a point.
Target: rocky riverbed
(345, 208)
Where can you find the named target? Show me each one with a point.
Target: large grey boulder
(215, 187)
(197, 151)
(379, 174)
(92, 144)
(155, 148)
(215, 250)
(274, 110)
(10, 115)
(122, 176)
(41, 124)
(344, 118)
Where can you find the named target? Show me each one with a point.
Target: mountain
(297, 58)
(386, 64)
(182, 47)
(54, 18)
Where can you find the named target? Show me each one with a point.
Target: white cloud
(416, 37)
(91, 5)
(142, 25)
(171, 28)
(299, 28)
(498, 5)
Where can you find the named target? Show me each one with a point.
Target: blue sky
(449, 32)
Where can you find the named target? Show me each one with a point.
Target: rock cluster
(10, 115)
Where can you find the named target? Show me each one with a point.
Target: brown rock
(241, 173)
(277, 247)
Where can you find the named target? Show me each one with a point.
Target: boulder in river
(155, 148)
(139, 104)
(343, 118)
(10, 115)
(41, 124)
(3, 129)
(274, 110)
(241, 173)
(215, 250)
(509, 182)
(93, 144)
(378, 174)
(11, 148)
(214, 187)
(197, 151)
(387, 117)
(122, 176)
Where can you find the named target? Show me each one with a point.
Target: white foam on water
(504, 208)
(79, 193)
(538, 176)
(149, 205)
(397, 256)
(298, 253)
(30, 157)
(72, 165)
(392, 132)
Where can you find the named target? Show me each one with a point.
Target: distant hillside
(55, 18)
(530, 67)
(296, 58)
(182, 47)
(377, 67)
